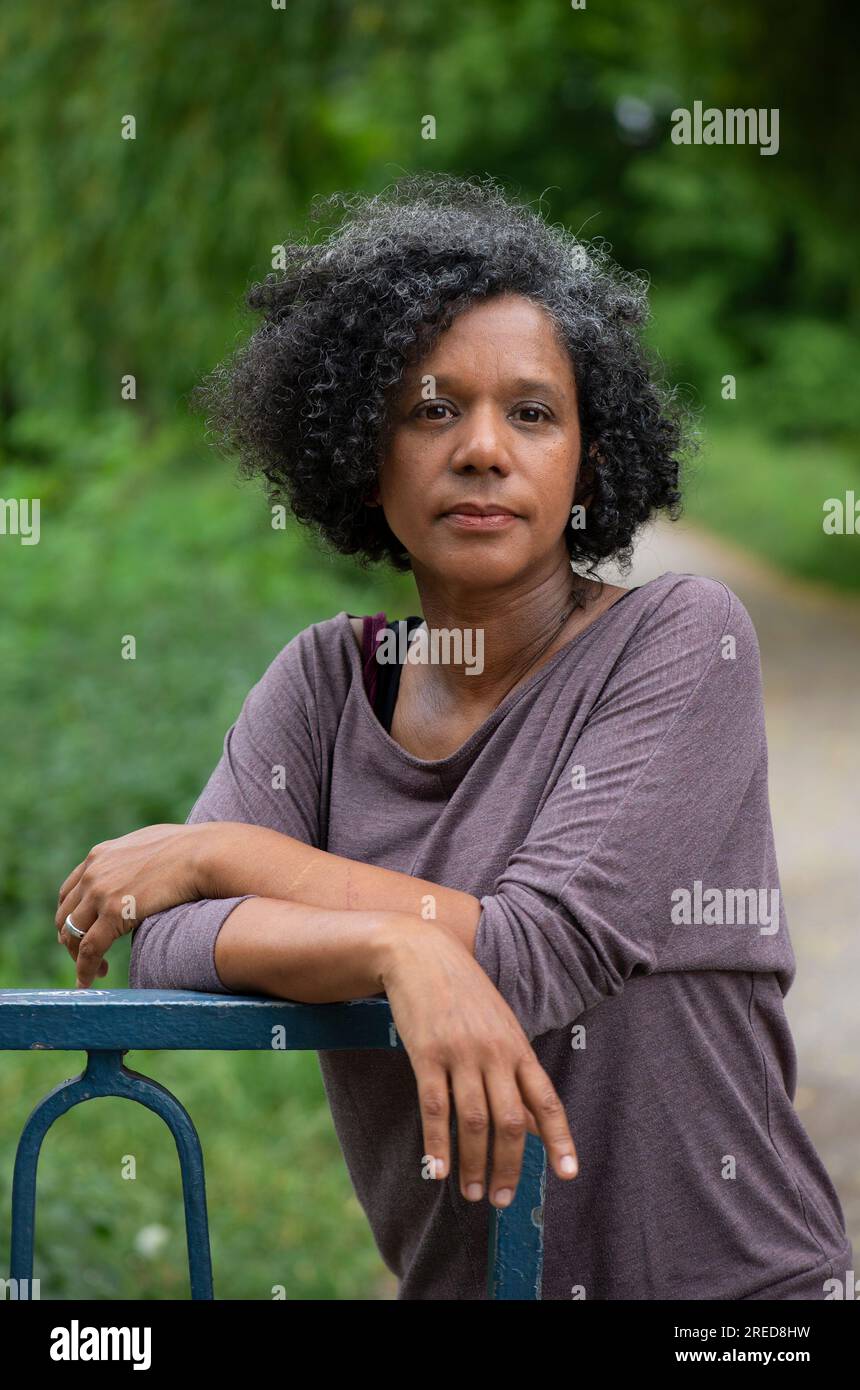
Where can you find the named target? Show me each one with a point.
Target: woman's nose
(481, 443)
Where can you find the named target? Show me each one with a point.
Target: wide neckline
(507, 703)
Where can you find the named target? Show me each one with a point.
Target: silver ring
(76, 931)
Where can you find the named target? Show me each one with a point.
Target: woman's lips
(472, 521)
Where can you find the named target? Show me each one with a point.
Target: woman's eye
(424, 411)
(535, 413)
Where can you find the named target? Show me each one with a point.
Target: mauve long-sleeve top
(612, 817)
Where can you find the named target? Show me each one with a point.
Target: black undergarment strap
(388, 677)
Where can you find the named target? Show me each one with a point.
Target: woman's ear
(372, 500)
(585, 479)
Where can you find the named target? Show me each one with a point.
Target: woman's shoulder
(321, 655)
(686, 623)
(329, 637)
(693, 597)
(316, 658)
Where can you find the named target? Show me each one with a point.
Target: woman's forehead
(508, 336)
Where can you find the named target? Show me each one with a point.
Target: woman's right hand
(460, 1034)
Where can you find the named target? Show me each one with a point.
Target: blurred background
(132, 257)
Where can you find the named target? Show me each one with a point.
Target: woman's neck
(499, 639)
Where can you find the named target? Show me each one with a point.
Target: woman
(549, 845)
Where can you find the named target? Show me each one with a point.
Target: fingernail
(474, 1191)
(503, 1197)
(568, 1164)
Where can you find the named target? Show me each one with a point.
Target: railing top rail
(73, 1020)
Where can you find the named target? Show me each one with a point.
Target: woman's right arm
(459, 1033)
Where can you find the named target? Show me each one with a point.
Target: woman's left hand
(123, 881)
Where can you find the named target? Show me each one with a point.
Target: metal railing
(107, 1024)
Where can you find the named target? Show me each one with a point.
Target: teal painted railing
(107, 1024)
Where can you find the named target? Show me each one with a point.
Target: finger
(473, 1130)
(541, 1096)
(432, 1083)
(91, 949)
(72, 946)
(83, 917)
(71, 879)
(509, 1135)
(68, 905)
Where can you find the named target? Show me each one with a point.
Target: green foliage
(132, 256)
(807, 383)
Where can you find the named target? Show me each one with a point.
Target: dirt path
(810, 649)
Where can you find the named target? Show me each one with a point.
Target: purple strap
(369, 664)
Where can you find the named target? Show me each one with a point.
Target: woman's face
(488, 418)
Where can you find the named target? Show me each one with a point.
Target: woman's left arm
(653, 851)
